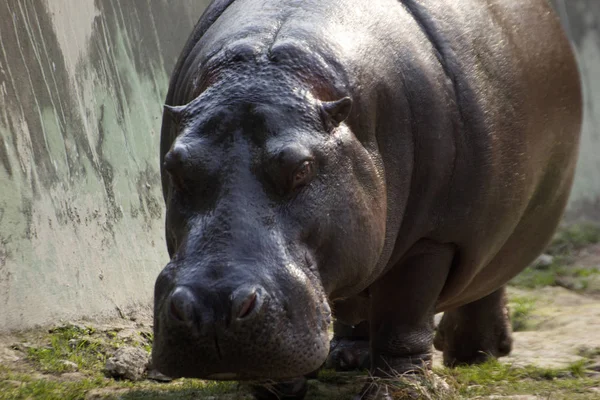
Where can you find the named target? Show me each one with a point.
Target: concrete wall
(581, 18)
(81, 212)
(81, 88)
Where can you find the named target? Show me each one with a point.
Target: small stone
(127, 334)
(72, 376)
(127, 363)
(570, 283)
(70, 365)
(69, 326)
(9, 354)
(22, 347)
(543, 261)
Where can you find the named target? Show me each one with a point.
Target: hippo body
(383, 159)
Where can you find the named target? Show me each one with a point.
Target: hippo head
(274, 209)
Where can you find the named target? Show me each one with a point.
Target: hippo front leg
(350, 344)
(476, 332)
(402, 308)
(349, 347)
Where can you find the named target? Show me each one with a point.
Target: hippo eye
(303, 174)
(173, 164)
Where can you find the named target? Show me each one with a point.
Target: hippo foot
(461, 347)
(476, 332)
(294, 389)
(348, 355)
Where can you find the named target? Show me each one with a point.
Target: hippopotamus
(371, 163)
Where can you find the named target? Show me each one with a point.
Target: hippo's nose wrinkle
(247, 301)
(183, 304)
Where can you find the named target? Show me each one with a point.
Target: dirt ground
(556, 354)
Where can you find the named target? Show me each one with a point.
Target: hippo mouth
(277, 329)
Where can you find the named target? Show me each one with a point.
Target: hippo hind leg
(475, 332)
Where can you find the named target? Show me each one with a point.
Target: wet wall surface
(81, 89)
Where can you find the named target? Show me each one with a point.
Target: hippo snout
(237, 327)
(186, 308)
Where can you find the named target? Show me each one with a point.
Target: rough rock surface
(128, 363)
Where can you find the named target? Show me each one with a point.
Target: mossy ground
(501, 379)
(566, 268)
(67, 362)
(476, 382)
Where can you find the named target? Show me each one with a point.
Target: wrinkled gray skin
(388, 159)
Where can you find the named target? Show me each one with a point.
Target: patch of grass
(17, 386)
(187, 389)
(557, 274)
(491, 378)
(495, 378)
(70, 348)
(77, 348)
(21, 386)
(578, 368)
(318, 390)
(589, 352)
(533, 278)
(565, 243)
(147, 339)
(585, 272)
(426, 386)
(328, 376)
(332, 376)
(521, 308)
(572, 238)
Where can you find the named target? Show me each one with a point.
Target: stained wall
(81, 215)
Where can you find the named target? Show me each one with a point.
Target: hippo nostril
(176, 312)
(182, 304)
(247, 301)
(247, 305)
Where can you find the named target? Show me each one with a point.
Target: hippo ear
(174, 112)
(335, 112)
